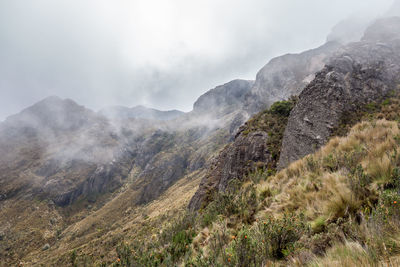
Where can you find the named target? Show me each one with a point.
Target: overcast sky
(159, 53)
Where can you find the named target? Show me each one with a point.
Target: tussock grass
(349, 254)
(332, 208)
(320, 183)
(336, 207)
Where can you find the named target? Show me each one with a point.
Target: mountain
(365, 72)
(142, 187)
(59, 150)
(139, 112)
(358, 74)
(287, 75)
(223, 99)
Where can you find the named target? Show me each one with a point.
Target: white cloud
(163, 53)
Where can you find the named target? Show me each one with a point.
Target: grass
(336, 207)
(332, 208)
(273, 121)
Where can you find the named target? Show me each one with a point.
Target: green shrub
(73, 258)
(319, 224)
(244, 250)
(282, 108)
(279, 236)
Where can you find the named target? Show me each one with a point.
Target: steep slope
(342, 201)
(65, 160)
(74, 179)
(139, 112)
(256, 146)
(287, 75)
(365, 72)
(56, 149)
(223, 99)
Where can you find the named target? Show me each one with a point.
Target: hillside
(298, 167)
(139, 112)
(337, 206)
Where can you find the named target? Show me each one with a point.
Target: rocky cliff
(223, 99)
(256, 146)
(364, 72)
(287, 75)
(59, 150)
(355, 75)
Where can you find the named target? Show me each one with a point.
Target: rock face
(163, 171)
(59, 150)
(223, 99)
(364, 72)
(235, 161)
(287, 75)
(139, 112)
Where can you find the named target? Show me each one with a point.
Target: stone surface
(223, 99)
(235, 161)
(286, 76)
(364, 72)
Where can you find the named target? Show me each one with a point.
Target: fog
(158, 53)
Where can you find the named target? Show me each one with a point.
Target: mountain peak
(226, 96)
(54, 113)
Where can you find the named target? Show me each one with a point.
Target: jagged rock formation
(139, 112)
(286, 76)
(248, 152)
(161, 173)
(365, 72)
(223, 99)
(59, 150)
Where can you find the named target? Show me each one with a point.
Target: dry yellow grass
(349, 254)
(306, 185)
(97, 235)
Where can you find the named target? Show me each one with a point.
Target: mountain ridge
(92, 174)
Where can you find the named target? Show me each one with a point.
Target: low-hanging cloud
(160, 53)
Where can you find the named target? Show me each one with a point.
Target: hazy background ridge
(158, 53)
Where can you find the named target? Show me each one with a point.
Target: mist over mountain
(128, 54)
(120, 112)
(285, 169)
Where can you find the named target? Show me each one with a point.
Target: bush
(244, 250)
(282, 108)
(280, 235)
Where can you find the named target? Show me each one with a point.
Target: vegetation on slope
(273, 121)
(343, 199)
(338, 206)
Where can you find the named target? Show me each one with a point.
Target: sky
(158, 53)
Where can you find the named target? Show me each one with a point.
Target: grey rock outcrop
(235, 161)
(364, 72)
(223, 99)
(163, 171)
(287, 75)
